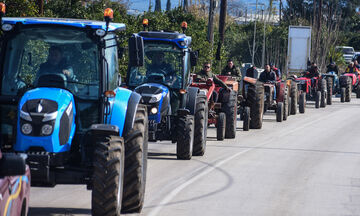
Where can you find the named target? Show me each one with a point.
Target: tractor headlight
(153, 110)
(26, 116)
(155, 98)
(26, 128)
(46, 130)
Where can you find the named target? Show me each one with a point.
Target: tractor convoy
(63, 104)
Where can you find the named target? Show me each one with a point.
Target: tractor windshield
(163, 64)
(51, 56)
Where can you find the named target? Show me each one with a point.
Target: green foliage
(21, 8)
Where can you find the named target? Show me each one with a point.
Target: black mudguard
(192, 94)
(131, 111)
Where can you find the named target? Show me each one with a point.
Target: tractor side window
(112, 60)
(187, 66)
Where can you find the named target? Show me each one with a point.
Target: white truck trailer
(299, 46)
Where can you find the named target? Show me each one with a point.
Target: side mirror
(12, 165)
(194, 57)
(136, 51)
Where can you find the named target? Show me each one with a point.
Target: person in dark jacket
(231, 70)
(252, 72)
(313, 71)
(267, 75)
(206, 74)
(332, 67)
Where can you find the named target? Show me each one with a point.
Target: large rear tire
(201, 116)
(323, 99)
(230, 110)
(136, 148)
(279, 112)
(246, 119)
(329, 90)
(220, 126)
(107, 191)
(317, 99)
(185, 137)
(294, 98)
(256, 102)
(302, 103)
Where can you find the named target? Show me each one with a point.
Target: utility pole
(253, 52)
(222, 23)
(263, 48)
(210, 35)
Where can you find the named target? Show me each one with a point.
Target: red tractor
(349, 82)
(222, 105)
(279, 103)
(314, 89)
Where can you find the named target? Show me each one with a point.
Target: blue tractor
(62, 105)
(177, 111)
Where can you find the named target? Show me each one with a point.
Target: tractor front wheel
(342, 94)
(230, 110)
(302, 103)
(108, 175)
(220, 126)
(246, 119)
(329, 91)
(136, 148)
(279, 112)
(185, 137)
(317, 99)
(201, 122)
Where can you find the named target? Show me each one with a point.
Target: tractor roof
(180, 39)
(63, 21)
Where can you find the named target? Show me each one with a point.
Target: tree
(158, 5)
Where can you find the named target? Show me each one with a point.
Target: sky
(143, 5)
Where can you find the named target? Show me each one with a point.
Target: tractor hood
(46, 120)
(155, 96)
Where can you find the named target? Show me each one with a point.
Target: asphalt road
(308, 165)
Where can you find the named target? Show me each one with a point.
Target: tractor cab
(62, 105)
(73, 60)
(163, 81)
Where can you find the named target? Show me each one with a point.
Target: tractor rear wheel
(302, 103)
(230, 110)
(323, 99)
(289, 106)
(185, 137)
(294, 98)
(108, 175)
(246, 119)
(256, 103)
(136, 148)
(201, 117)
(329, 90)
(317, 99)
(342, 94)
(279, 112)
(220, 126)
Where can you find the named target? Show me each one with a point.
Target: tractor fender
(191, 99)
(118, 109)
(133, 103)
